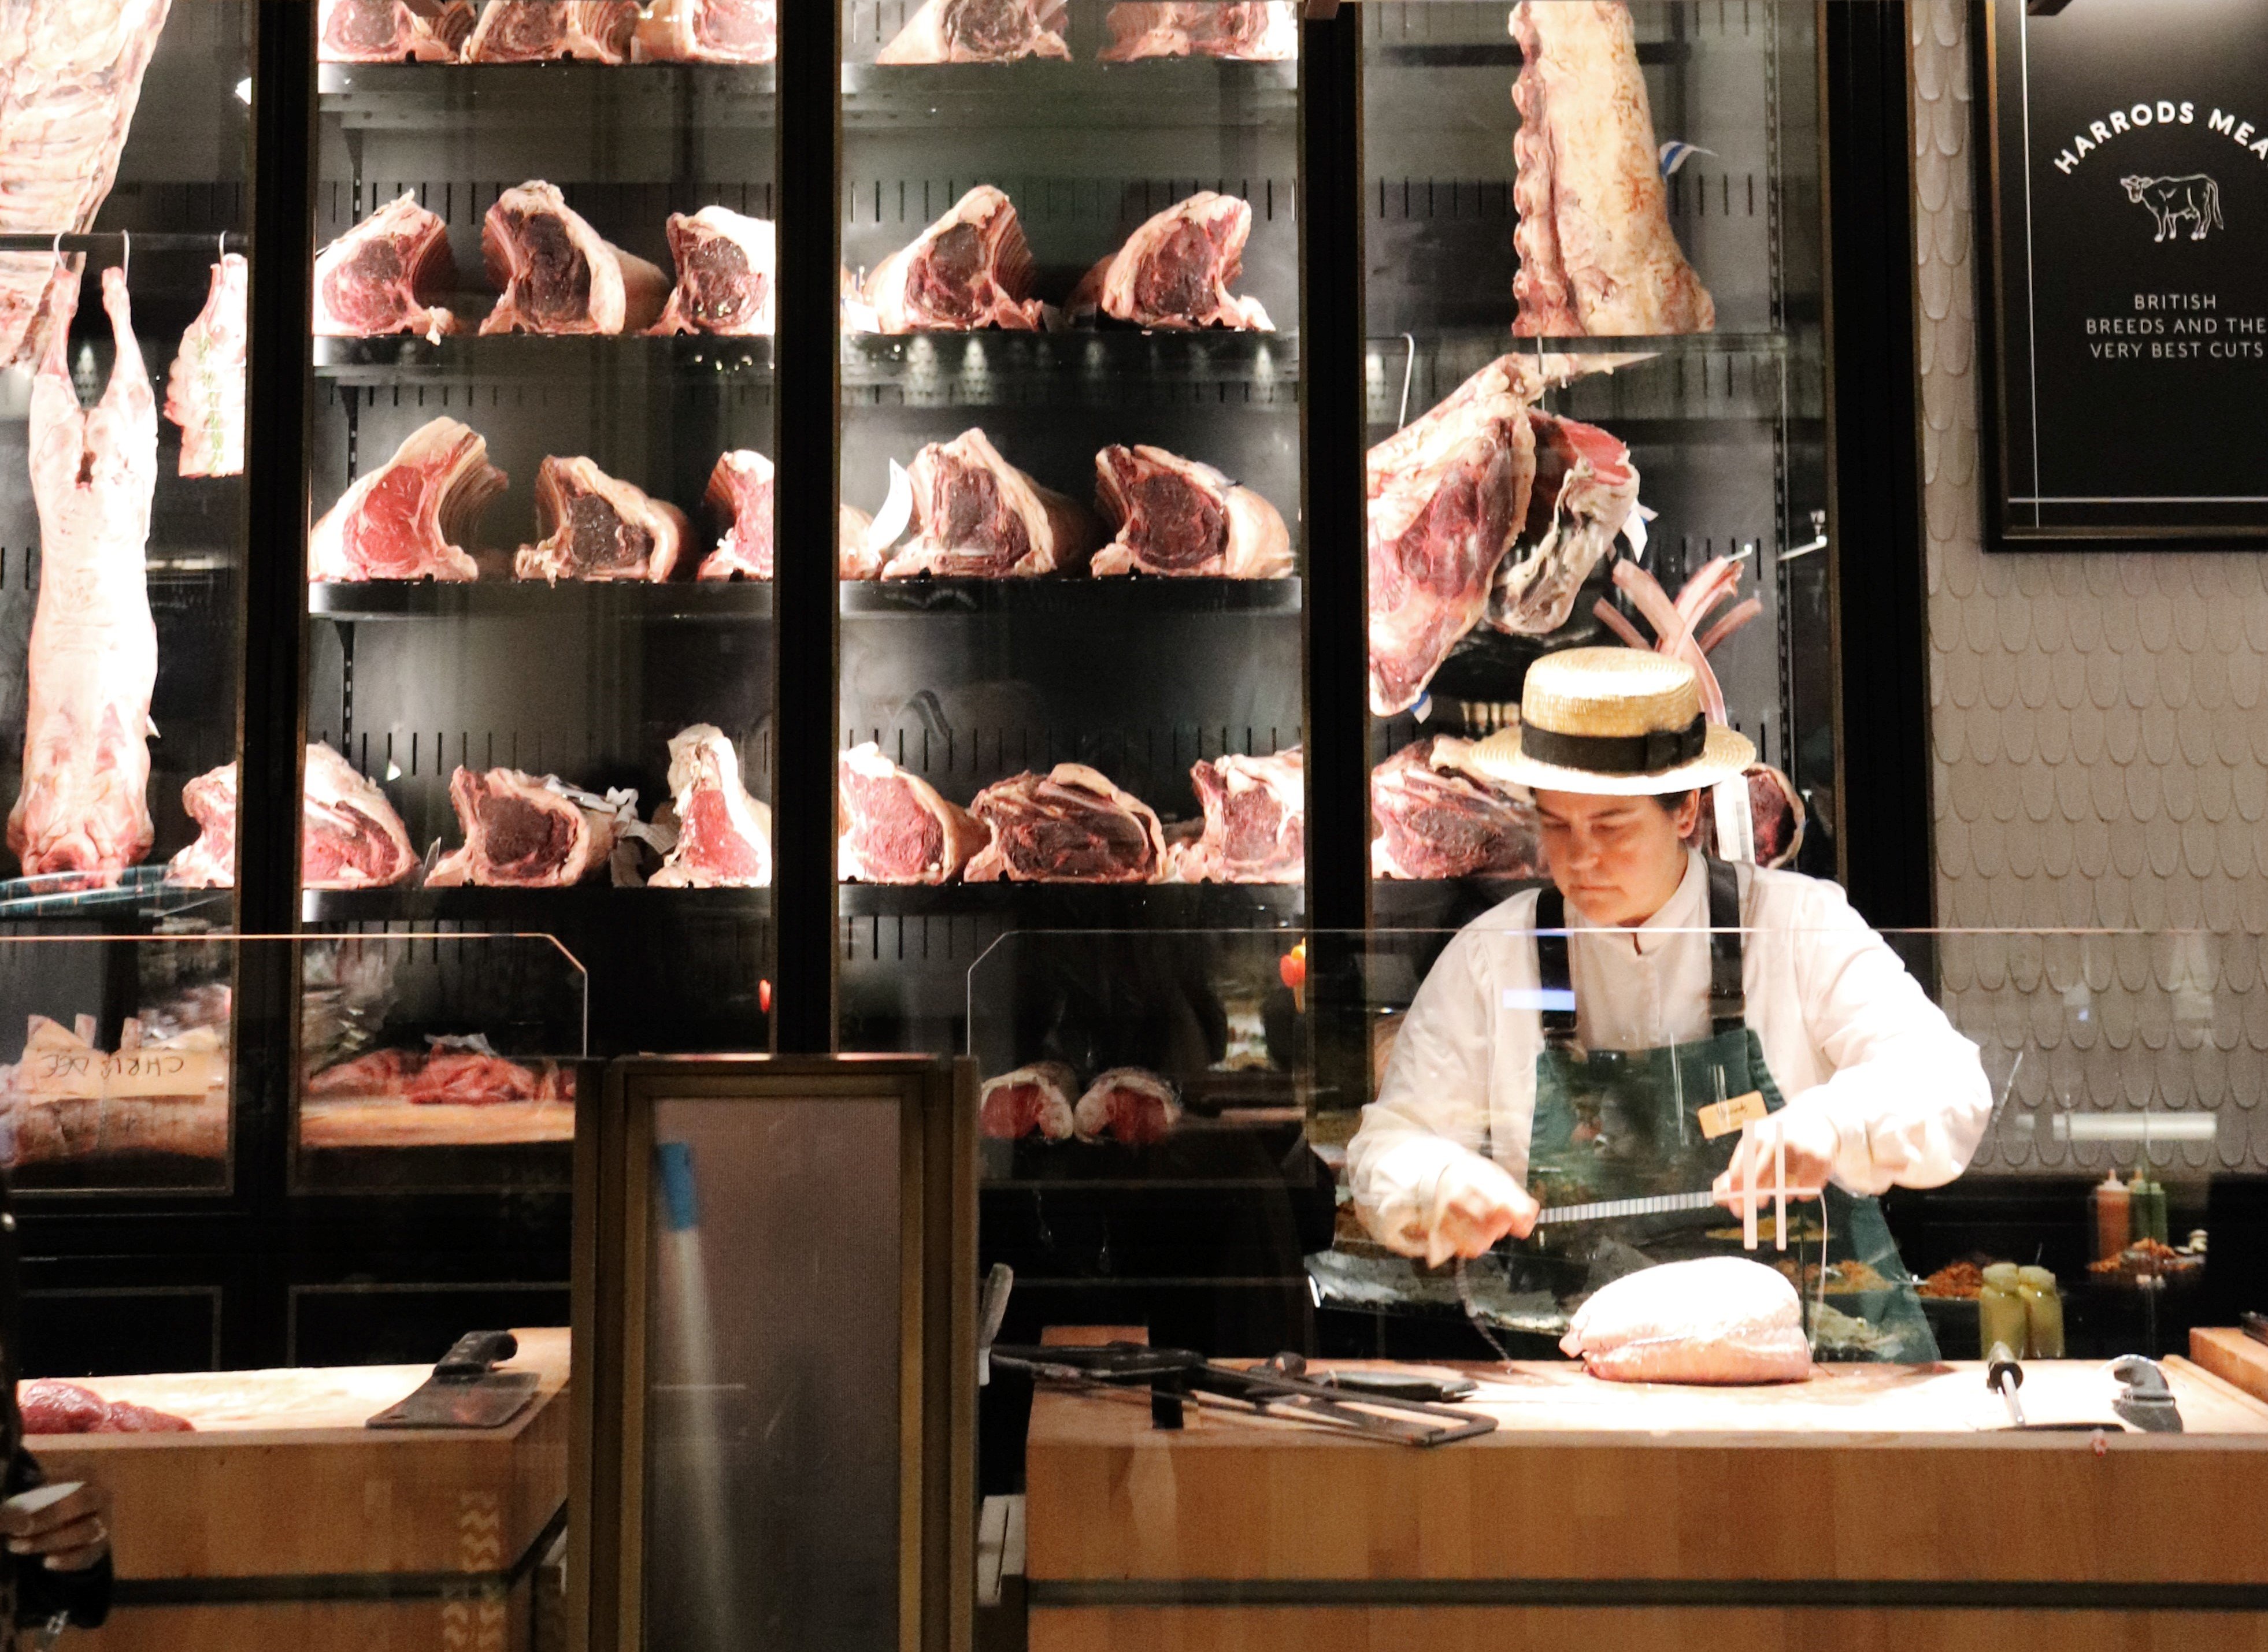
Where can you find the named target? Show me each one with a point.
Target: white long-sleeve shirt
(1845, 1029)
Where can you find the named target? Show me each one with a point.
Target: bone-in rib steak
(1584, 490)
(741, 492)
(1176, 270)
(1175, 516)
(558, 274)
(521, 834)
(392, 30)
(405, 519)
(892, 828)
(976, 515)
(1437, 816)
(1252, 32)
(725, 272)
(382, 275)
(1128, 1104)
(1068, 825)
(980, 31)
(211, 861)
(1034, 1100)
(723, 835)
(204, 393)
(84, 809)
(350, 836)
(538, 31)
(595, 527)
(709, 32)
(1255, 820)
(971, 269)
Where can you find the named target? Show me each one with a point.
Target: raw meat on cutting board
(726, 264)
(442, 1077)
(1128, 1104)
(1720, 1319)
(204, 392)
(979, 32)
(1069, 825)
(538, 31)
(1436, 815)
(978, 516)
(741, 492)
(1584, 491)
(1256, 820)
(1177, 516)
(708, 32)
(84, 809)
(70, 74)
(1254, 31)
(893, 827)
(404, 519)
(723, 835)
(519, 833)
(50, 1406)
(1596, 254)
(558, 274)
(972, 269)
(1034, 1100)
(596, 527)
(1176, 270)
(382, 276)
(392, 31)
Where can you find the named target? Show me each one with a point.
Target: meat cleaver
(465, 1391)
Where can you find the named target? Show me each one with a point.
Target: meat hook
(126, 253)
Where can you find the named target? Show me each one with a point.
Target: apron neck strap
(1729, 1006)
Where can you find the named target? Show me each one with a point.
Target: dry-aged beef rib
(1596, 254)
(1584, 490)
(1776, 815)
(1175, 516)
(709, 32)
(1256, 820)
(558, 274)
(596, 527)
(725, 264)
(892, 828)
(1252, 32)
(382, 276)
(741, 492)
(972, 269)
(1068, 825)
(84, 809)
(406, 519)
(1437, 816)
(1130, 1105)
(211, 861)
(1034, 1100)
(723, 835)
(519, 833)
(1176, 270)
(392, 31)
(204, 393)
(979, 32)
(350, 836)
(976, 515)
(538, 31)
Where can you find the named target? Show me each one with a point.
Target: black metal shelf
(620, 601)
(1084, 906)
(1115, 599)
(531, 911)
(1719, 378)
(1161, 92)
(1103, 367)
(1438, 903)
(1504, 54)
(568, 97)
(604, 363)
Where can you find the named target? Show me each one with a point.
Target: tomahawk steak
(595, 527)
(1175, 516)
(1068, 825)
(83, 809)
(392, 31)
(1176, 270)
(1720, 1319)
(1255, 822)
(1034, 1100)
(1584, 491)
(1437, 815)
(708, 32)
(979, 32)
(538, 31)
(892, 828)
(204, 393)
(405, 519)
(975, 515)
(383, 275)
(723, 835)
(972, 269)
(1252, 32)
(1130, 1105)
(558, 274)
(520, 833)
(725, 272)
(741, 492)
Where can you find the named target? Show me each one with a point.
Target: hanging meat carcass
(723, 835)
(972, 269)
(204, 392)
(1253, 32)
(1584, 492)
(84, 808)
(595, 527)
(1255, 817)
(978, 516)
(1068, 825)
(1177, 516)
(1596, 254)
(1437, 815)
(558, 274)
(741, 492)
(392, 31)
(980, 31)
(383, 275)
(708, 32)
(404, 520)
(350, 836)
(726, 264)
(893, 827)
(520, 833)
(539, 30)
(1130, 1105)
(70, 74)
(1034, 1100)
(1176, 270)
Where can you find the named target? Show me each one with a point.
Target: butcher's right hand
(1476, 1204)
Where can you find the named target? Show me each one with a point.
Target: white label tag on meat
(1723, 1116)
(1736, 827)
(131, 1074)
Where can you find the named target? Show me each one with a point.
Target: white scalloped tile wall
(2101, 757)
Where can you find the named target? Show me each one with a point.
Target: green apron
(1624, 1124)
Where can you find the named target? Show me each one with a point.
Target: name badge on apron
(1723, 1118)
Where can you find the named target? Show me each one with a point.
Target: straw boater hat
(1613, 722)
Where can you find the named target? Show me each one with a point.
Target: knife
(1657, 1205)
(464, 1390)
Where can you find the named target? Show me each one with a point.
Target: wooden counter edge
(2232, 1357)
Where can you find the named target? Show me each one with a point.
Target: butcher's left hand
(1812, 1143)
(68, 1536)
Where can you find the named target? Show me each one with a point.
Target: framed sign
(2127, 265)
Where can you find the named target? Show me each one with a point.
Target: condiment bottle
(2042, 1312)
(2002, 1316)
(2149, 1199)
(2114, 1217)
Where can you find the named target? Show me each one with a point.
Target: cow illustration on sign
(2170, 200)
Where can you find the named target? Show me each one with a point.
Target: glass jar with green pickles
(2042, 1313)
(2001, 1315)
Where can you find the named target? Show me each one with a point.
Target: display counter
(283, 1521)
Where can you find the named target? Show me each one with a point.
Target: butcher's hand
(1476, 1203)
(68, 1536)
(1813, 1142)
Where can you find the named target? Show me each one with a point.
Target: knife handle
(476, 1353)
